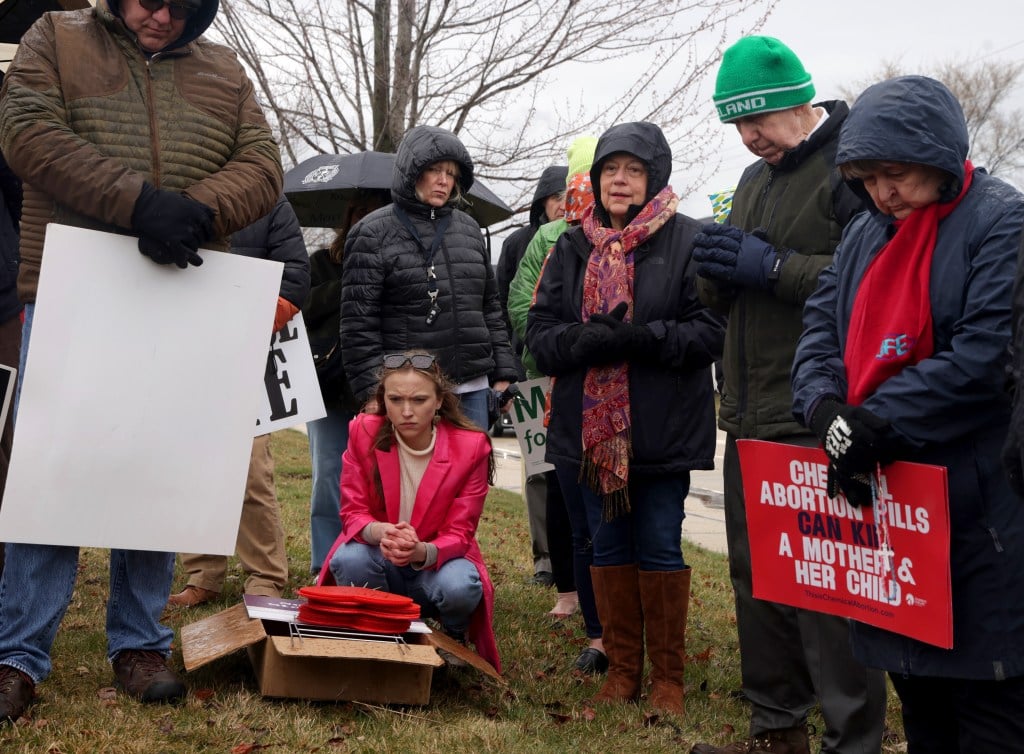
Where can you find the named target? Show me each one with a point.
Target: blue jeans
(582, 546)
(474, 406)
(38, 581)
(650, 535)
(328, 438)
(449, 593)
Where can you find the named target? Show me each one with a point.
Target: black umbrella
(16, 16)
(321, 188)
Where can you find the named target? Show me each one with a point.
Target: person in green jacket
(568, 533)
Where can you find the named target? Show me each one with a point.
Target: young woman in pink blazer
(413, 482)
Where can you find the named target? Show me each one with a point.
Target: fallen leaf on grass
(108, 696)
(203, 694)
(588, 713)
(702, 656)
(559, 717)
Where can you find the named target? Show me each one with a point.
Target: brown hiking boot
(16, 693)
(782, 741)
(145, 676)
(191, 596)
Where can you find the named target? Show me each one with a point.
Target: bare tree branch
(354, 75)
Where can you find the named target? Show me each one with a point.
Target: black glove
(590, 343)
(628, 340)
(856, 487)
(727, 253)
(170, 219)
(164, 253)
(855, 440)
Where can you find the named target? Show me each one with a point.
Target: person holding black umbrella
(417, 275)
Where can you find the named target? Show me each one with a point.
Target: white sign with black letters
(135, 421)
(292, 394)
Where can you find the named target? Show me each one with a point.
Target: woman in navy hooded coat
(881, 380)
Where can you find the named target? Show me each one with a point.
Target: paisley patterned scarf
(608, 281)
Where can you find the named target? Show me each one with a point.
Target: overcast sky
(848, 42)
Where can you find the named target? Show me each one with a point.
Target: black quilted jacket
(384, 299)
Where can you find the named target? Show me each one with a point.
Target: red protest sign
(820, 554)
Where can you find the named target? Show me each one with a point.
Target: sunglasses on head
(178, 11)
(399, 360)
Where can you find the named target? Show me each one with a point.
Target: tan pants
(260, 544)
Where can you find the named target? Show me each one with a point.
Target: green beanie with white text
(760, 75)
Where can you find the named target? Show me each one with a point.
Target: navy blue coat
(277, 236)
(950, 409)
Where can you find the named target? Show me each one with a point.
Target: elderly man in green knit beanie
(759, 266)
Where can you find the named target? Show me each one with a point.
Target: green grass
(544, 707)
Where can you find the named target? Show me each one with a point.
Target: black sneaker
(145, 676)
(543, 578)
(16, 692)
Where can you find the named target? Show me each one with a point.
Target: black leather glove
(164, 253)
(170, 219)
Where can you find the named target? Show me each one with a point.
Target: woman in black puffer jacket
(417, 276)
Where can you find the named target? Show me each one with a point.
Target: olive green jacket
(803, 205)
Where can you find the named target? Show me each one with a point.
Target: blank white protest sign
(135, 421)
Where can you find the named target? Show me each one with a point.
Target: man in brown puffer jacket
(122, 118)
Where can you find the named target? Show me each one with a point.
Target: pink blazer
(448, 505)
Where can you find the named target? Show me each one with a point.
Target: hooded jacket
(552, 181)
(86, 117)
(800, 204)
(524, 283)
(385, 299)
(278, 237)
(671, 398)
(950, 409)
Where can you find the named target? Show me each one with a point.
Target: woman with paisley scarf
(903, 356)
(618, 324)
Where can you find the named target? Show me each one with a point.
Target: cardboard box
(325, 669)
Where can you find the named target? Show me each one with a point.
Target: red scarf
(891, 321)
(608, 281)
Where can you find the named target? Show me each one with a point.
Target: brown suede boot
(665, 596)
(618, 606)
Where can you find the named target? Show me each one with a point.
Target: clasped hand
(606, 338)
(728, 254)
(399, 544)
